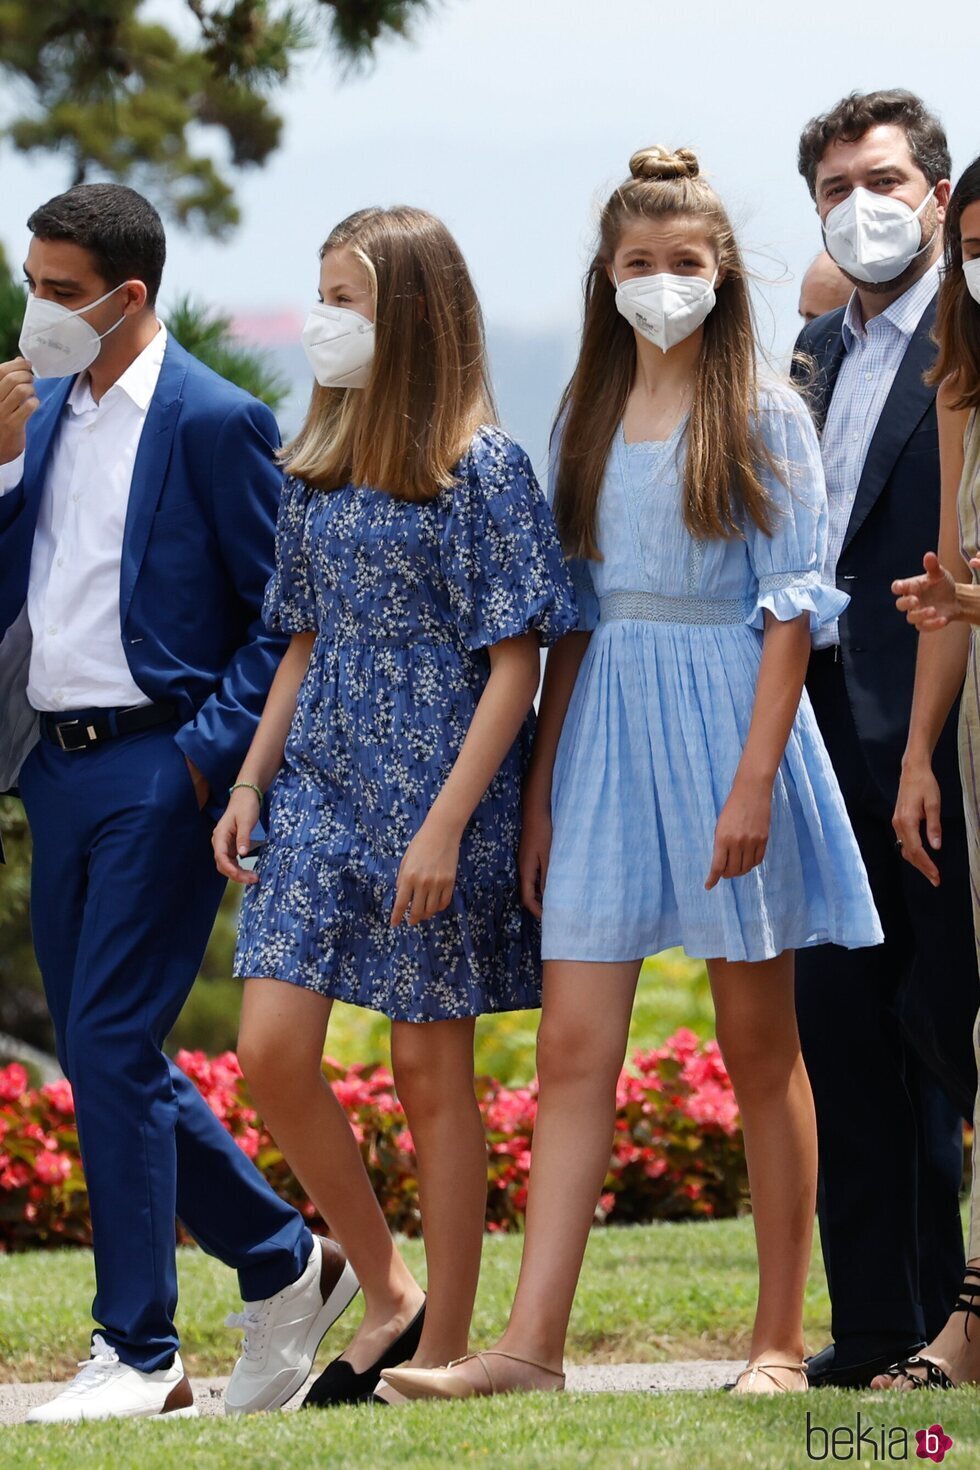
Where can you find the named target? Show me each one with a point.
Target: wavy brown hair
(722, 482)
(957, 328)
(429, 388)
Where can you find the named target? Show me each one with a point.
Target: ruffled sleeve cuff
(789, 594)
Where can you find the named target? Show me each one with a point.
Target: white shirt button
(76, 496)
(61, 561)
(53, 629)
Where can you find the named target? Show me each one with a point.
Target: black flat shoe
(830, 1368)
(340, 1384)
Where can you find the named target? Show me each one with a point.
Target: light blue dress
(660, 713)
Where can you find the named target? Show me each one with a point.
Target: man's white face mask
(59, 343)
(874, 237)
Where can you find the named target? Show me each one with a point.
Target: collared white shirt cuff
(11, 474)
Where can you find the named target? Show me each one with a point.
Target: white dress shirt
(77, 658)
(873, 354)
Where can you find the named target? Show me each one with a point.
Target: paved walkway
(17, 1398)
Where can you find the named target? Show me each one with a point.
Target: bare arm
(427, 874)
(941, 659)
(742, 832)
(231, 837)
(561, 671)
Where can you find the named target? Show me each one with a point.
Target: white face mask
(971, 270)
(59, 343)
(339, 344)
(665, 309)
(874, 237)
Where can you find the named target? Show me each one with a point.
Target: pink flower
(15, 1176)
(59, 1095)
(13, 1082)
(52, 1168)
(249, 1141)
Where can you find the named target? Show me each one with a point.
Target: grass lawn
(648, 1293)
(689, 1431)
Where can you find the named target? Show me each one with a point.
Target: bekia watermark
(867, 1442)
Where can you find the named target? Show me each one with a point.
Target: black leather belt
(83, 729)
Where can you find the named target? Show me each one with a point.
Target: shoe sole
(191, 1412)
(334, 1307)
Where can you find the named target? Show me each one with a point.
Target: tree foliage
(122, 95)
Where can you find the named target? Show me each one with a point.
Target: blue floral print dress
(405, 598)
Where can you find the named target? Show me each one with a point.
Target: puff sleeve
(501, 558)
(788, 564)
(290, 604)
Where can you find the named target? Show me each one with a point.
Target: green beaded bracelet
(247, 786)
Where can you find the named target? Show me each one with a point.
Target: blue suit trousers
(124, 896)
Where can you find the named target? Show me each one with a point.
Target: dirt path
(17, 1398)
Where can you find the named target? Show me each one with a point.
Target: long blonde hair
(722, 482)
(429, 388)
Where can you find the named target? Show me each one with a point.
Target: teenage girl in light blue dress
(679, 791)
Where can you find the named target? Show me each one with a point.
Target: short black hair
(116, 225)
(857, 114)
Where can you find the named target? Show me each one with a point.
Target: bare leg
(756, 1028)
(283, 1028)
(433, 1067)
(581, 1046)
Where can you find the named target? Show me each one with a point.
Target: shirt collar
(904, 314)
(138, 382)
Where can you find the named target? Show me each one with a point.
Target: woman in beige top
(946, 599)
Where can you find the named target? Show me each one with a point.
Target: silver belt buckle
(64, 725)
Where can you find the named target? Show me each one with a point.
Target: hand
(533, 853)
(918, 802)
(742, 832)
(928, 602)
(232, 837)
(18, 400)
(427, 873)
(202, 786)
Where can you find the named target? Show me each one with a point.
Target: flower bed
(677, 1150)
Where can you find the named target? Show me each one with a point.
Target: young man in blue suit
(138, 494)
(886, 1032)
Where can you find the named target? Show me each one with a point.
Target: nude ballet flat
(447, 1383)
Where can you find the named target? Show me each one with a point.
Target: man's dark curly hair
(855, 115)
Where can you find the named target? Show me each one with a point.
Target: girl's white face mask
(665, 309)
(971, 272)
(874, 237)
(59, 343)
(339, 344)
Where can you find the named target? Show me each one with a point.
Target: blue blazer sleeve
(245, 489)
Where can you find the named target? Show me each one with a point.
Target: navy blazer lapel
(150, 468)
(40, 438)
(908, 400)
(816, 366)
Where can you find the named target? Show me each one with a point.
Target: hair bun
(663, 163)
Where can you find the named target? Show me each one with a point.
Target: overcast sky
(512, 118)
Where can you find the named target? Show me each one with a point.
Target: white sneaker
(283, 1332)
(109, 1389)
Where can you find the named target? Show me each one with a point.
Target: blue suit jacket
(198, 549)
(894, 521)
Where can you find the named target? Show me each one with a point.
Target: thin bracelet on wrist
(248, 786)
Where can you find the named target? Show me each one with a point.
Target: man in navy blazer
(138, 494)
(886, 1032)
